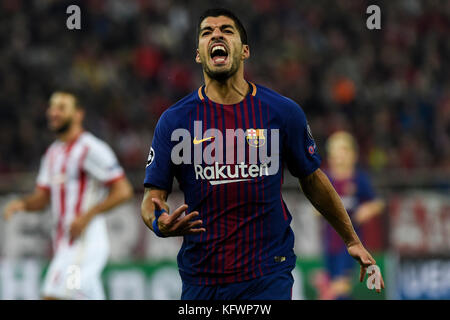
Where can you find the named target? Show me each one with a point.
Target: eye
(229, 31)
(206, 33)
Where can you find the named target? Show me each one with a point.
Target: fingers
(188, 231)
(365, 261)
(181, 223)
(193, 224)
(73, 232)
(177, 213)
(7, 214)
(362, 273)
(193, 227)
(11, 208)
(76, 228)
(173, 225)
(381, 283)
(193, 231)
(186, 226)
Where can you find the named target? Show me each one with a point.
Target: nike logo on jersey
(202, 140)
(236, 154)
(214, 183)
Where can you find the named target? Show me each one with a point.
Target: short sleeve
(102, 163)
(300, 148)
(159, 171)
(43, 178)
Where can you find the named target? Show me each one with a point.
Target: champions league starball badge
(151, 156)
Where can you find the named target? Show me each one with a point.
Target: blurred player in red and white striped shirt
(80, 178)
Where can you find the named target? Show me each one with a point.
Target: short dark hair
(77, 97)
(216, 12)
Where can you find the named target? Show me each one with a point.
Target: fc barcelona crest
(255, 137)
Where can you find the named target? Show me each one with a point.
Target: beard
(222, 75)
(63, 128)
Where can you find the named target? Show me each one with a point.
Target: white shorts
(75, 270)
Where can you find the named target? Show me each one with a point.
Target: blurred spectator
(133, 59)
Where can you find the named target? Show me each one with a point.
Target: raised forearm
(322, 195)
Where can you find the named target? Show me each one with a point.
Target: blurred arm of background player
(119, 191)
(368, 210)
(322, 195)
(35, 201)
(169, 225)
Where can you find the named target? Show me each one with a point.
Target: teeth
(218, 48)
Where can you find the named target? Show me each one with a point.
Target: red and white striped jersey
(77, 175)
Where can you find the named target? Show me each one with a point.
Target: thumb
(158, 204)
(71, 232)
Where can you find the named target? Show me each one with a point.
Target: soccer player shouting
(80, 178)
(227, 144)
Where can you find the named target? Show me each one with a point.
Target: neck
(71, 134)
(230, 91)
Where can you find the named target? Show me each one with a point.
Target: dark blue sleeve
(159, 171)
(300, 150)
(365, 189)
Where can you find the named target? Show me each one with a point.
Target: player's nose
(217, 34)
(53, 115)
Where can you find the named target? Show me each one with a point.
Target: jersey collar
(202, 95)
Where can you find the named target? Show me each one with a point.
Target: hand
(78, 225)
(363, 214)
(360, 254)
(12, 207)
(368, 210)
(172, 225)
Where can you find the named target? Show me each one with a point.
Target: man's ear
(197, 57)
(245, 52)
(80, 114)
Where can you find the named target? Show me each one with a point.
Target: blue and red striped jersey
(353, 192)
(229, 160)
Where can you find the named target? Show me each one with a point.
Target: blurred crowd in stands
(133, 59)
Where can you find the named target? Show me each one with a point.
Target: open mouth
(219, 53)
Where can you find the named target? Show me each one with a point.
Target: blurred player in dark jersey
(227, 144)
(354, 187)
